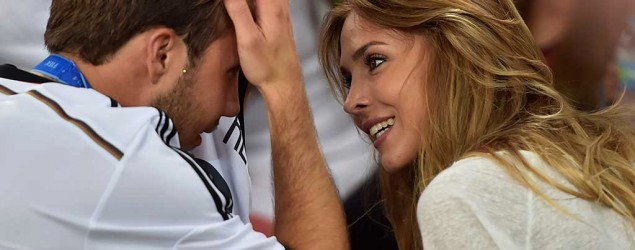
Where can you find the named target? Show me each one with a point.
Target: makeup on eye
(371, 60)
(374, 60)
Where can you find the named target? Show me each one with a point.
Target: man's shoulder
(85, 113)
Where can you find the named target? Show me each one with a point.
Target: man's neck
(114, 79)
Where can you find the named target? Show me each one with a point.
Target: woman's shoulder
(480, 182)
(477, 198)
(475, 174)
(474, 198)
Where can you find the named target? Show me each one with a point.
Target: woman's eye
(375, 61)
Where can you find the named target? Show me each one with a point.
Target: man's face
(205, 92)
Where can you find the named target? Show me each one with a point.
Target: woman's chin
(392, 166)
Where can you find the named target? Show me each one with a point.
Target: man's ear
(162, 50)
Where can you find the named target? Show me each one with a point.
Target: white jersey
(225, 150)
(77, 171)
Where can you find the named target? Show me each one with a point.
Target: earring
(184, 71)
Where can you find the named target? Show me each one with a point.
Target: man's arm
(308, 211)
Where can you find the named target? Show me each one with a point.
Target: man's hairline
(229, 30)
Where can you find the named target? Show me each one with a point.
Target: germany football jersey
(78, 171)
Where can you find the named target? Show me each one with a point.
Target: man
(90, 164)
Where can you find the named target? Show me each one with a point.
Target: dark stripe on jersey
(160, 119)
(166, 125)
(6, 90)
(113, 103)
(12, 72)
(80, 124)
(219, 182)
(171, 135)
(168, 130)
(201, 174)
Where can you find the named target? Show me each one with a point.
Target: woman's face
(386, 71)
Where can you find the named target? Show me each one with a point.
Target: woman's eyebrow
(360, 52)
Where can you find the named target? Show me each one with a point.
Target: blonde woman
(478, 150)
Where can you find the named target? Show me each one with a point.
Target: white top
(475, 204)
(77, 171)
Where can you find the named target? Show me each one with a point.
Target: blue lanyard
(63, 70)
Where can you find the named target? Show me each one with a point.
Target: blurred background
(589, 44)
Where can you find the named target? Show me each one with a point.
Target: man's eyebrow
(360, 52)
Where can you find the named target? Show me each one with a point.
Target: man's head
(179, 56)
(95, 29)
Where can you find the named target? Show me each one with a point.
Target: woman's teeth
(380, 128)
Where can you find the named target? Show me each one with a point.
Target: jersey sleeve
(161, 198)
(231, 234)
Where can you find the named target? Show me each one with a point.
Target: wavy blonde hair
(492, 92)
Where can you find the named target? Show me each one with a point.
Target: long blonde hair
(492, 92)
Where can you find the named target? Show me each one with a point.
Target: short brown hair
(95, 29)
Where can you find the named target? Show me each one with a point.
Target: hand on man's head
(266, 46)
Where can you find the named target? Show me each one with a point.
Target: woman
(478, 150)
